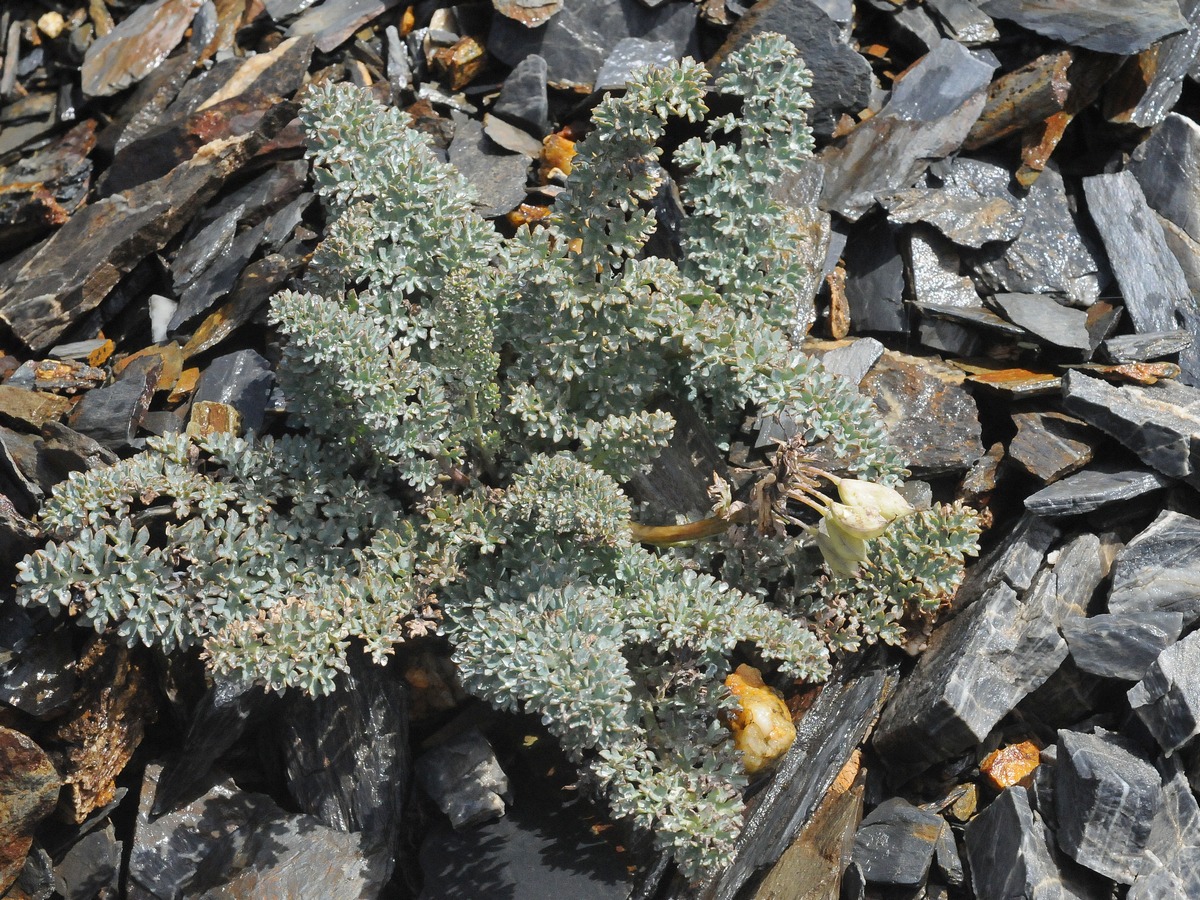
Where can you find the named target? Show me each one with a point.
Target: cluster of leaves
(475, 406)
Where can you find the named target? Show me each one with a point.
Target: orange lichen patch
(172, 363)
(762, 727)
(461, 62)
(1010, 765)
(100, 355)
(209, 417)
(408, 21)
(557, 153)
(185, 384)
(526, 214)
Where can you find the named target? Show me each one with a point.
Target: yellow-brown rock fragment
(762, 727)
(1011, 765)
(209, 417)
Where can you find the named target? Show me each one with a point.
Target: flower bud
(878, 498)
(858, 521)
(841, 550)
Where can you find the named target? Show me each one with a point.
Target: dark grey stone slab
(1121, 645)
(854, 360)
(627, 57)
(1012, 853)
(1171, 867)
(1156, 292)
(243, 380)
(1172, 60)
(1105, 797)
(964, 21)
(933, 270)
(37, 665)
(497, 176)
(844, 85)
(965, 220)
(1094, 489)
(977, 317)
(523, 98)
(946, 857)
(465, 779)
(1078, 571)
(875, 277)
(1160, 569)
(1158, 422)
(1050, 445)
(1167, 699)
(895, 843)
(927, 118)
(334, 21)
(577, 40)
(111, 415)
(1047, 319)
(1013, 561)
(1109, 26)
(1167, 167)
(1126, 348)
(91, 866)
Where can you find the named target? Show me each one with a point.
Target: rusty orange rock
(762, 727)
(1011, 765)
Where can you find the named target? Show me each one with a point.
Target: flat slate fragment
(1160, 569)
(1171, 868)
(498, 177)
(1109, 26)
(967, 221)
(1167, 166)
(1093, 489)
(136, 47)
(1126, 348)
(1121, 645)
(1051, 445)
(1167, 699)
(1047, 319)
(895, 843)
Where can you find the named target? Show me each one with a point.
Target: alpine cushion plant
(472, 409)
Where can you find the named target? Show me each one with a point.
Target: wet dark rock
(497, 177)
(1160, 569)
(895, 843)
(933, 270)
(1050, 256)
(875, 277)
(41, 190)
(209, 243)
(1012, 853)
(1167, 167)
(106, 239)
(929, 114)
(37, 665)
(334, 21)
(111, 415)
(1094, 489)
(925, 410)
(576, 42)
(1143, 347)
(1155, 289)
(845, 82)
(967, 221)
(91, 867)
(1013, 561)
(975, 317)
(628, 56)
(1158, 422)
(1155, 76)
(1105, 797)
(243, 380)
(136, 47)
(1050, 445)
(227, 843)
(1104, 25)
(523, 98)
(464, 778)
(1167, 699)
(1047, 319)
(348, 758)
(1121, 645)
(216, 281)
(1170, 869)
(29, 788)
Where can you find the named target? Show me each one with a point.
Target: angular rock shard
(1121, 645)
(1094, 489)
(1167, 699)
(1110, 26)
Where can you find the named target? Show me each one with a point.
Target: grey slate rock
(464, 778)
(1013, 561)
(577, 40)
(37, 665)
(845, 82)
(218, 279)
(1109, 26)
(1171, 867)
(1050, 255)
(1012, 853)
(91, 866)
(523, 99)
(1093, 489)
(1047, 319)
(1174, 57)
(1159, 570)
(854, 360)
(1158, 422)
(946, 857)
(975, 317)
(511, 137)
(1105, 797)
(629, 55)
(111, 415)
(927, 118)
(964, 21)
(970, 221)
(1121, 645)
(895, 843)
(208, 243)
(1167, 699)
(497, 177)
(933, 269)
(1167, 167)
(1126, 348)
(1156, 292)
(243, 380)
(875, 277)
(1050, 445)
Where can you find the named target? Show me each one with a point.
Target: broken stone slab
(136, 47)
(90, 867)
(1170, 868)
(42, 189)
(931, 110)
(497, 177)
(1159, 570)
(975, 317)
(852, 359)
(1167, 167)
(1051, 445)
(464, 779)
(576, 42)
(967, 221)
(1094, 489)
(1105, 798)
(875, 285)
(1014, 561)
(61, 376)
(34, 408)
(1149, 85)
(963, 21)
(111, 415)
(1159, 422)
(845, 83)
(630, 55)
(523, 99)
(1109, 26)
(1012, 853)
(1127, 348)
(1048, 320)
(1155, 289)
(1022, 97)
(1121, 645)
(37, 672)
(530, 13)
(977, 668)
(58, 281)
(29, 787)
(1167, 699)
(1050, 255)
(332, 22)
(895, 843)
(932, 266)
